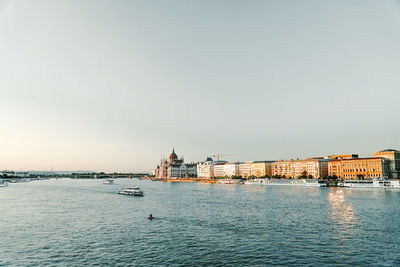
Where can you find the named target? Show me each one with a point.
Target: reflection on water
(340, 209)
(342, 213)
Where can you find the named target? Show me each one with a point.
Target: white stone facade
(231, 169)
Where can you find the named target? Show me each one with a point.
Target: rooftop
(390, 150)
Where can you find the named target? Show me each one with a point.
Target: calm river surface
(83, 222)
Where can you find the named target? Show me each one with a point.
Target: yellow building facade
(334, 168)
(283, 168)
(359, 168)
(261, 168)
(317, 168)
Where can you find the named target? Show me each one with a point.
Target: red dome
(173, 156)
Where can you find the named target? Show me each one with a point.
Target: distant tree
(310, 176)
(303, 175)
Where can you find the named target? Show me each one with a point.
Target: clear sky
(113, 85)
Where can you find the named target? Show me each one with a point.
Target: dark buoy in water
(150, 217)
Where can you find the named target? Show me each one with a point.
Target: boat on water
(375, 183)
(255, 181)
(229, 181)
(395, 184)
(3, 184)
(108, 181)
(289, 182)
(131, 191)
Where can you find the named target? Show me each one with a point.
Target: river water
(83, 222)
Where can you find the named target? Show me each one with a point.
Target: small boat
(131, 191)
(108, 181)
(3, 184)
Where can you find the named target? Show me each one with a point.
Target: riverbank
(205, 180)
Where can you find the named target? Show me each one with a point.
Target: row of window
(361, 170)
(373, 175)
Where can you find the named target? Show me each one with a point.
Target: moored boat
(394, 184)
(3, 184)
(289, 182)
(229, 181)
(375, 183)
(259, 181)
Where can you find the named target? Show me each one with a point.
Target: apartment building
(261, 168)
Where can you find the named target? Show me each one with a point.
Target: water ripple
(83, 222)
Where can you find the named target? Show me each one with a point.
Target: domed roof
(388, 150)
(173, 156)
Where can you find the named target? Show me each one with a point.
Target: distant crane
(217, 155)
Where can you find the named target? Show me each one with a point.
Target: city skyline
(112, 86)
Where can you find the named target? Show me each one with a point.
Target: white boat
(3, 184)
(108, 181)
(375, 183)
(131, 191)
(394, 184)
(255, 181)
(289, 182)
(229, 181)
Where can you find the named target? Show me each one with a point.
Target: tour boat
(375, 183)
(255, 181)
(108, 181)
(131, 191)
(289, 182)
(229, 181)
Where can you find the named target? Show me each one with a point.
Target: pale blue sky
(113, 85)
